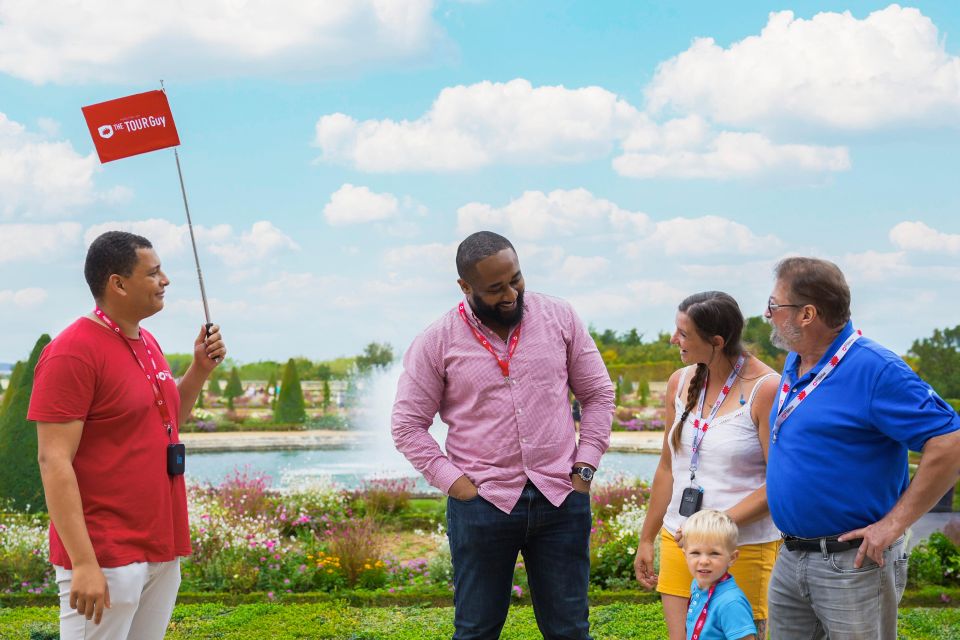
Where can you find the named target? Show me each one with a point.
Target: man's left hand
(209, 350)
(876, 539)
(579, 484)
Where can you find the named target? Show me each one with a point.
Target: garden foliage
(19, 473)
(290, 405)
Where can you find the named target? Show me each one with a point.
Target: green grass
(337, 620)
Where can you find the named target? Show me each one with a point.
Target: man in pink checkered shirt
(498, 368)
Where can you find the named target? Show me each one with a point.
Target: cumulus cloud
(105, 41)
(536, 214)
(354, 205)
(262, 241)
(917, 236)
(37, 242)
(732, 155)
(473, 126)
(875, 266)
(23, 298)
(833, 69)
(583, 268)
(707, 235)
(632, 297)
(41, 177)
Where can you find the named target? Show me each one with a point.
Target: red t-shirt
(134, 510)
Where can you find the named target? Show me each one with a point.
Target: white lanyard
(783, 414)
(702, 427)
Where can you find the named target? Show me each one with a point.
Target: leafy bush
(611, 497)
(357, 544)
(19, 472)
(385, 496)
(936, 561)
(23, 554)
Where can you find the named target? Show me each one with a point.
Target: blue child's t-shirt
(729, 616)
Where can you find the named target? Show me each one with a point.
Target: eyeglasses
(773, 306)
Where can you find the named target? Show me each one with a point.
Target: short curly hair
(112, 252)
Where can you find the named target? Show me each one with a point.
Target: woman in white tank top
(730, 461)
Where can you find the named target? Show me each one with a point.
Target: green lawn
(337, 620)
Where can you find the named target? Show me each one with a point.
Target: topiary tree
(290, 405)
(326, 395)
(644, 392)
(12, 384)
(19, 473)
(213, 388)
(234, 387)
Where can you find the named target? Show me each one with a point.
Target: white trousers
(142, 596)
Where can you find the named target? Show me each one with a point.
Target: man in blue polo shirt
(837, 479)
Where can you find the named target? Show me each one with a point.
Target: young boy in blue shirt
(718, 609)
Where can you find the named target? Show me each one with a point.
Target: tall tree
(290, 405)
(234, 388)
(938, 361)
(19, 472)
(375, 354)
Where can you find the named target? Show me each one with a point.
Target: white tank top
(731, 466)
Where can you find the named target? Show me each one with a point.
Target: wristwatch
(585, 473)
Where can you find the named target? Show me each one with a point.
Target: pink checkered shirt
(502, 433)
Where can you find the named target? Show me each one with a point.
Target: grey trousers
(815, 595)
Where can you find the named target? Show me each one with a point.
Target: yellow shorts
(751, 571)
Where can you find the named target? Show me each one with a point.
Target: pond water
(349, 467)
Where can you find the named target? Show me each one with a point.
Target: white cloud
(832, 69)
(708, 235)
(536, 214)
(433, 258)
(583, 268)
(107, 41)
(630, 298)
(354, 205)
(37, 242)
(261, 242)
(473, 126)
(730, 155)
(875, 266)
(917, 236)
(23, 298)
(39, 177)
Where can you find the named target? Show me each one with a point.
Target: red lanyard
(783, 414)
(158, 375)
(702, 427)
(514, 341)
(702, 619)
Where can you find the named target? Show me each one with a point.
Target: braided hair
(713, 313)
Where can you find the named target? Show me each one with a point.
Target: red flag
(129, 126)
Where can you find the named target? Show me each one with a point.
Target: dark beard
(490, 315)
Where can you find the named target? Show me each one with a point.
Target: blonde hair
(711, 525)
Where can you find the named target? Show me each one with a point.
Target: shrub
(290, 405)
(357, 545)
(19, 473)
(385, 496)
(23, 554)
(936, 561)
(610, 498)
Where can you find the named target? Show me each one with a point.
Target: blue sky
(335, 154)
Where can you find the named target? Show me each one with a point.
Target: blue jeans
(816, 595)
(555, 543)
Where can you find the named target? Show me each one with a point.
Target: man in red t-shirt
(107, 410)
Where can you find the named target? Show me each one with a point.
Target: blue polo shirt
(729, 616)
(840, 460)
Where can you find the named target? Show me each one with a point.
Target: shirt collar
(792, 365)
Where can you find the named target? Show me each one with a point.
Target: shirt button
(519, 412)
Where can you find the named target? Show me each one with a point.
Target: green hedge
(339, 620)
(649, 371)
